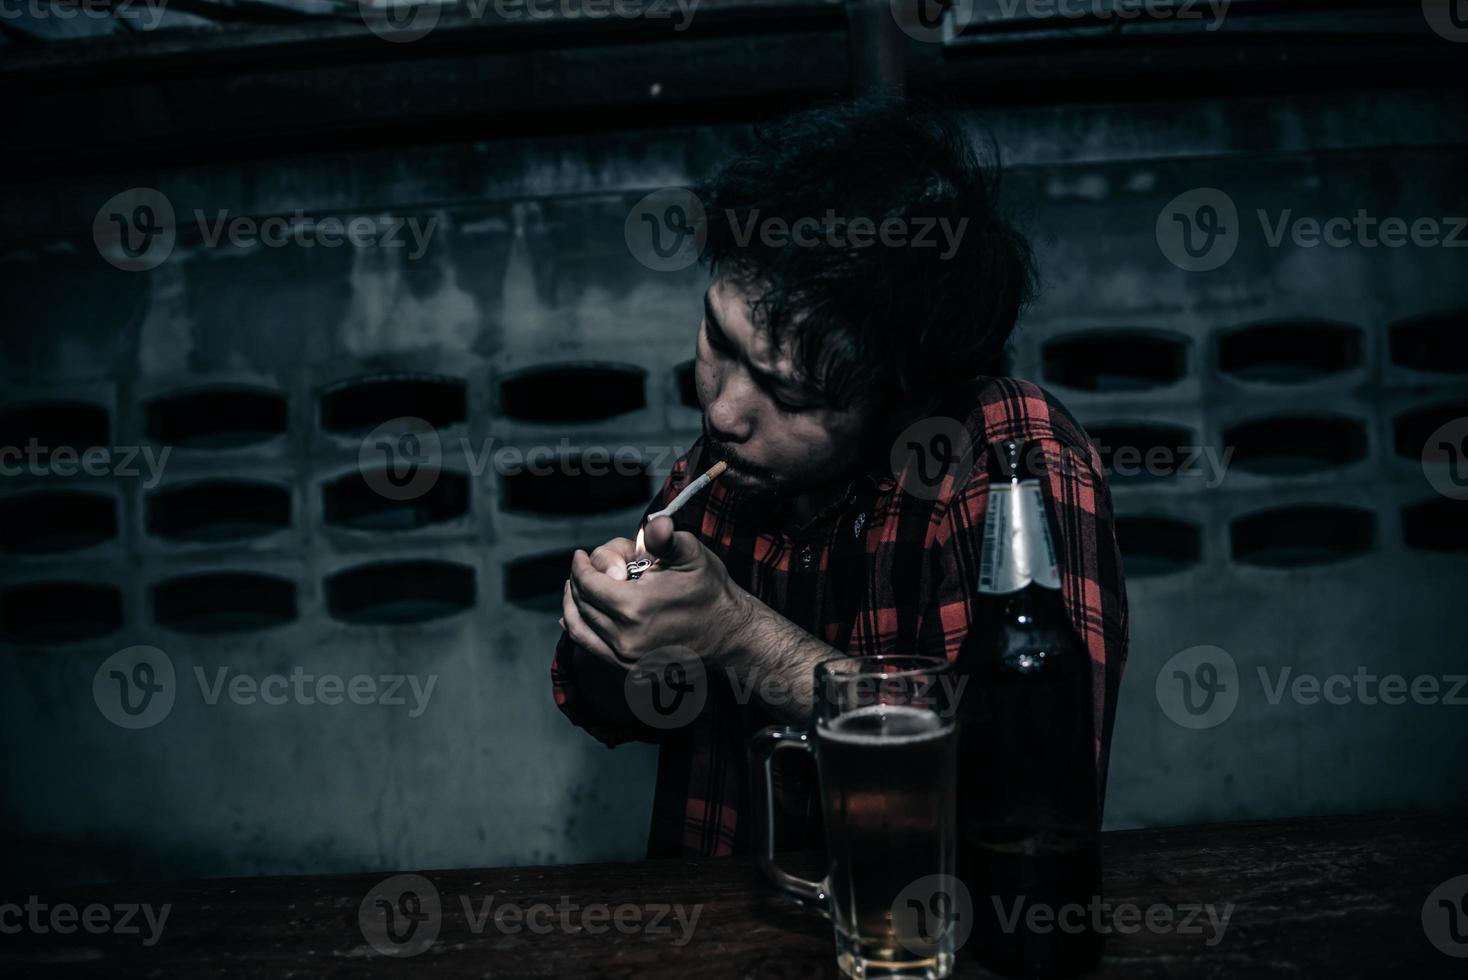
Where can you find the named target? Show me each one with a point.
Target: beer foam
(914, 724)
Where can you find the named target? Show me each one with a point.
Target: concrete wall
(527, 267)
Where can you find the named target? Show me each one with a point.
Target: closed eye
(721, 345)
(788, 408)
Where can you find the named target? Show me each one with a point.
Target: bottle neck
(1018, 551)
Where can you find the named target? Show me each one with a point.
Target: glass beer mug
(886, 753)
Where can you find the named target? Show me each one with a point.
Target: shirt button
(807, 555)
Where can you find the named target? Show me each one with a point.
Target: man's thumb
(668, 546)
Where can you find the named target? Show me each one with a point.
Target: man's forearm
(774, 660)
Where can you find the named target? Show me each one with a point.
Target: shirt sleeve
(1092, 584)
(564, 685)
(567, 693)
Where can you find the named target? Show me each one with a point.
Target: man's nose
(731, 415)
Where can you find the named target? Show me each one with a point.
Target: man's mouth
(742, 470)
(741, 478)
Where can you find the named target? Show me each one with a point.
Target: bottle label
(1017, 549)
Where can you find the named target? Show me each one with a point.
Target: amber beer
(885, 742)
(1029, 811)
(887, 796)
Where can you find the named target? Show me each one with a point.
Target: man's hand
(687, 599)
(611, 560)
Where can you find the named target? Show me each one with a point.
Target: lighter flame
(640, 549)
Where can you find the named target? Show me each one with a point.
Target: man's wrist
(772, 658)
(733, 626)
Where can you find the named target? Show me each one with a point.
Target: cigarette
(640, 565)
(709, 476)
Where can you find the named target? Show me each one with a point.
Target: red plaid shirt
(893, 570)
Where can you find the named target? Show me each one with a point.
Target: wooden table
(1321, 898)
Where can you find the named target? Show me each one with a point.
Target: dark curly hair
(881, 325)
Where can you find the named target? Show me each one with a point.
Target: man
(863, 287)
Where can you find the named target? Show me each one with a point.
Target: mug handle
(762, 753)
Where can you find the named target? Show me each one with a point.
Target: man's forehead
(730, 304)
(735, 319)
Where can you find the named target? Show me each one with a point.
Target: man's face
(777, 435)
